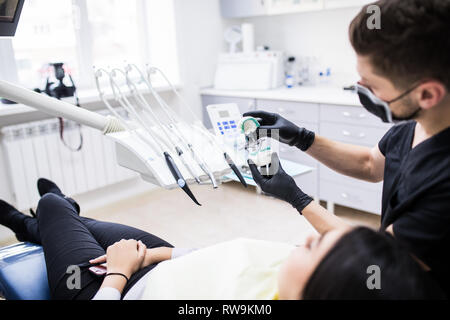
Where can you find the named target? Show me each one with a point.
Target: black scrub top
(416, 196)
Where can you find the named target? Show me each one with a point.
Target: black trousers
(71, 240)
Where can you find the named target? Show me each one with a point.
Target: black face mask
(380, 108)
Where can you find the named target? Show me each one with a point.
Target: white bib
(240, 269)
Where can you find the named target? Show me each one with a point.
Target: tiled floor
(227, 213)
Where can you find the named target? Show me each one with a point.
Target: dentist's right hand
(289, 133)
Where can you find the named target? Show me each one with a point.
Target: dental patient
(347, 264)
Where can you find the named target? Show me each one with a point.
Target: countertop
(319, 94)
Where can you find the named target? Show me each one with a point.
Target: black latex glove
(289, 133)
(281, 185)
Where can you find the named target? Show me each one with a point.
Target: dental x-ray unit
(169, 153)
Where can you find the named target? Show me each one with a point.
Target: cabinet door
(351, 196)
(332, 4)
(243, 8)
(243, 104)
(293, 6)
(356, 116)
(359, 135)
(297, 112)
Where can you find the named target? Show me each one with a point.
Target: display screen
(224, 114)
(8, 10)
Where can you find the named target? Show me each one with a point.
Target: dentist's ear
(431, 94)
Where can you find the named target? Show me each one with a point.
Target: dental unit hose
(171, 164)
(200, 162)
(202, 129)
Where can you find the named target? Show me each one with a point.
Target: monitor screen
(9, 16)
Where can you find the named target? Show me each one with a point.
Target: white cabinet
(355, 126)
(243, 8)
(298, 112)
(334, 4)
(293, 6)
(253, 8)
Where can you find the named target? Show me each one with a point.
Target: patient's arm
(160, 254)
(156, 255)
(112, 288)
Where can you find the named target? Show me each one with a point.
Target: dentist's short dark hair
(343, 272)
(413, 43)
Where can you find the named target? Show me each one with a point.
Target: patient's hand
(152, 256)
(125, 256)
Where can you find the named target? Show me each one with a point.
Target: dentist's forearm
(321, 219)
(351, 160)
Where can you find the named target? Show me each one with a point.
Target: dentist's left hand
(280, 185)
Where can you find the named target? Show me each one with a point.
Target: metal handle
(346, 114)
(349, 115)
(283, 110)
(346, 133)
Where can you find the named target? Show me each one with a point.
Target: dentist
(405, 78)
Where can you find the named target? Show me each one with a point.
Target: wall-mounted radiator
(34, 150)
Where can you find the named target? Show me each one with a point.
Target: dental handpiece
(200, 162)
(203, 129)
(170, 163)
(226, 156)
(142, 101)
(179, 177)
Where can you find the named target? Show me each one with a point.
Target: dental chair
(23, 273)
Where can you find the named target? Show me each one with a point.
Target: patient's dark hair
(413, 43)
(343, 272)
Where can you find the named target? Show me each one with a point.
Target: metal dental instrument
(161, 126)
(200, 126)
(166, 109)
(149, 140)
(119, 96)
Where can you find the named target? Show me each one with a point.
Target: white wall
(200, 40)
(322, 34)
(200, 30)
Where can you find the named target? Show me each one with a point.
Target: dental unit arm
(136, 147)
(198, 124)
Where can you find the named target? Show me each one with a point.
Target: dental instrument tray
(165, 148)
